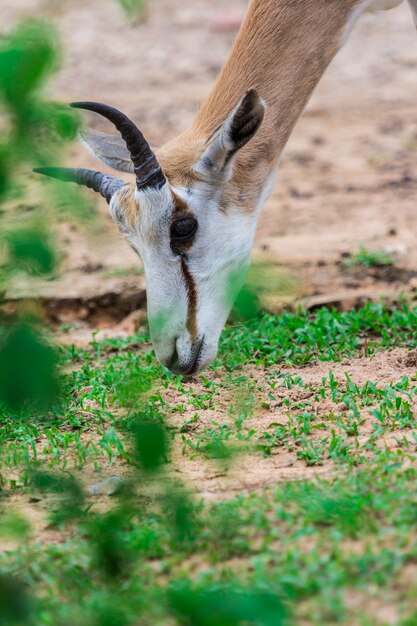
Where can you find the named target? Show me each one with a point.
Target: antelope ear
(111, 149)
(239, 128)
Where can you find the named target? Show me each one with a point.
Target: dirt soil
(348, 176)
(217, 481)
(221, 479)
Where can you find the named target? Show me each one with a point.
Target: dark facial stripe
(192, 300)
(181, 209)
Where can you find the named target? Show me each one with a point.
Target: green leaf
(14, 603)
(247, 304)
(151, 445)
(28, 375)
(30, 251)
(27, 56)
(226, 606)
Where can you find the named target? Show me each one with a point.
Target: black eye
(183, 228)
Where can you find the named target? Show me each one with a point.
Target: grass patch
(315, 551)
(302, 548)
(369, 258)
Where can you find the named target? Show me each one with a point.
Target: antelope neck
(282, 49)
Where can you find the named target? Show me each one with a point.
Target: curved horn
(104, 184)
(147, 169)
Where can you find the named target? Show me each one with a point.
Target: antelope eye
(183, 228)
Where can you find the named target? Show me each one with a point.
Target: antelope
(192, 211)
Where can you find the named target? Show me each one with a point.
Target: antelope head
(183, 218)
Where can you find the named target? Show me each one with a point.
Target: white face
(192, 282)
(195, 251)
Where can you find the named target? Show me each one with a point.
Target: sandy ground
(248, 472)
(218, 480)
(348, 176)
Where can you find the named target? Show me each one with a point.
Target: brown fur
(178, 157)
(282, 50)
(129, 206)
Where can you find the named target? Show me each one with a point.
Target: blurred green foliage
(34, 132)
(36, 129)
(151, 445)
(15, 606)
(225, 606)
(30, 251)
(27, 57)
(265, 282)
(28, 372)
(30, 133)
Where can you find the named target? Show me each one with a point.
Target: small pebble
(109, 487)
(33, 499)
(398, 250)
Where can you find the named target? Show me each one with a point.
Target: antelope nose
(181, 368)
(186, 366)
